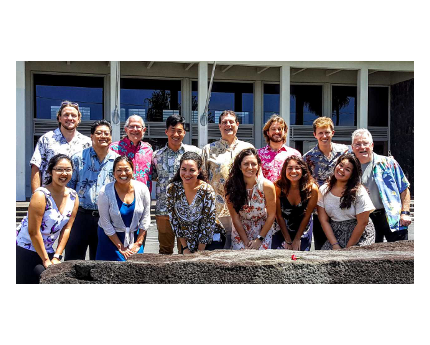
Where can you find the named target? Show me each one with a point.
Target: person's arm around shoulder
(36, 210)
(281, 220)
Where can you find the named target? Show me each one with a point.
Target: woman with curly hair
(344, 206)
(251, 202)
(191, 207)
(296, 198)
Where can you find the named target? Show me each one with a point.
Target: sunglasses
(68, 104)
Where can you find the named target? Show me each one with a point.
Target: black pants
(28, 266)
(318, 232)
(278, 238)
(82, 235)
(383, 229)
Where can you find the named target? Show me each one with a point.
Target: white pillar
(284, 95)
(258, 114)
(186, 106)
(202, 90)
(20, 125)
(362, 97)
(115, 110)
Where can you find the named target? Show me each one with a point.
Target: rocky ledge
(383, 263)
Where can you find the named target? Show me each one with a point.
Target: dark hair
(65, 104)
(122, 158)
(228, 112)
(54, 161)
(350, 193)
(235, 187)
(305, 183)
(173, 120)
(100, 123)
(190, 156)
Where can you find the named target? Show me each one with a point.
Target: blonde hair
(280, 120)
(323, 122)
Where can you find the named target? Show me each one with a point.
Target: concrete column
(20, 125)
(284, 95)
(258, 114)
(115, 99)
(186, 106)
(202, 90)
(362, 97)
(326, 100)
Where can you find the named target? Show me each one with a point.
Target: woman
(51, 213)
(344, 207)
(296, 198)
(191, 207)
(124, 207)
(251, 202)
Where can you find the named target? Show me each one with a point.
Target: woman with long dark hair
(251, 202)
(191, 207)
(124, 208)
(51, 213)
(296, 198)
(344, 206)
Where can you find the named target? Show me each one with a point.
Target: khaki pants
(166, 237)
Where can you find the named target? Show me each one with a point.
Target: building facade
(354, 94)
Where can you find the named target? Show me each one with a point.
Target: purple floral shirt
(140, 155)
(272, 161)
(52, 222)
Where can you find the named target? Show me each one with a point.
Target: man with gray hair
(134, 148)
(388, 188)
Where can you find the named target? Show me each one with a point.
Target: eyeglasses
(135, 127)
(60, 170)
(364, 144)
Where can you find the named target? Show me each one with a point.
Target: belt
(94, 213)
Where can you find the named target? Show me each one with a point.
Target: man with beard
(65, 139)
(273, 156)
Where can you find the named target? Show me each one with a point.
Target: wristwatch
(406, 212)
(58, 256)
(261, 238)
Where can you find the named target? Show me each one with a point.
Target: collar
(226, 144)
(128, 142)
(182, 148)
(110, 154)
(284, 147)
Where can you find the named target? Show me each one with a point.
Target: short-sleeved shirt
(90, 175)
(165, 164)
(272, 161)
(331, 204)
(217, 159)
(53, 143)
(140, 155)
(322, 167)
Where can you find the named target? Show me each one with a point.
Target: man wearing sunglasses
(65, 139)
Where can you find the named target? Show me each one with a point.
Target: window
(344, 105)
(51, 90)
(154, 100)
(238, 97)
(378, 106)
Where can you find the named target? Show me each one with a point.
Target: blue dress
(106, 250)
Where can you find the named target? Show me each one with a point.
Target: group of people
(96, 194)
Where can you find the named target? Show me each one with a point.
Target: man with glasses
(388, 188)
(92, 169)
(134, 148)
(165, 162)
(65, 139)
(217, 159)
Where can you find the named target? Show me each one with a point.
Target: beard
(277, 139)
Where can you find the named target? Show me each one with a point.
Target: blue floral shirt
(322, 167)
(90, 175)
(391, 182)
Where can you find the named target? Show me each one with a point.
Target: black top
(293, 215)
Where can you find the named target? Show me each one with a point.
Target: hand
(254, 244)
(47, 263)
(186, 251)
(336, 247)
(126, 252)
(405, 220)
(296, 244)
(135, 247)
(287, 246)
(55, 261)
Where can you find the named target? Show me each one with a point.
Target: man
(273, 156)
(321, 161)
(388, 188)
(92, 169)
(65, 139)
(165, 164)
(134, 148)
(217, 159)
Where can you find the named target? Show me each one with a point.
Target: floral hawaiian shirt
(165, 164)
(90, 175)
(52, 143)
(391, 182)
(217, 159)
(140, 155)
(272, 161)
(196, 222)
(322, 167)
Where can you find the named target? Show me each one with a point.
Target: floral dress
(52, 222)
(253, 215)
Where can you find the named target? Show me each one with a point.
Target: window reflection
(378, 106)
(344, 105)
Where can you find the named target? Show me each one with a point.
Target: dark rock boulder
(378, 263)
